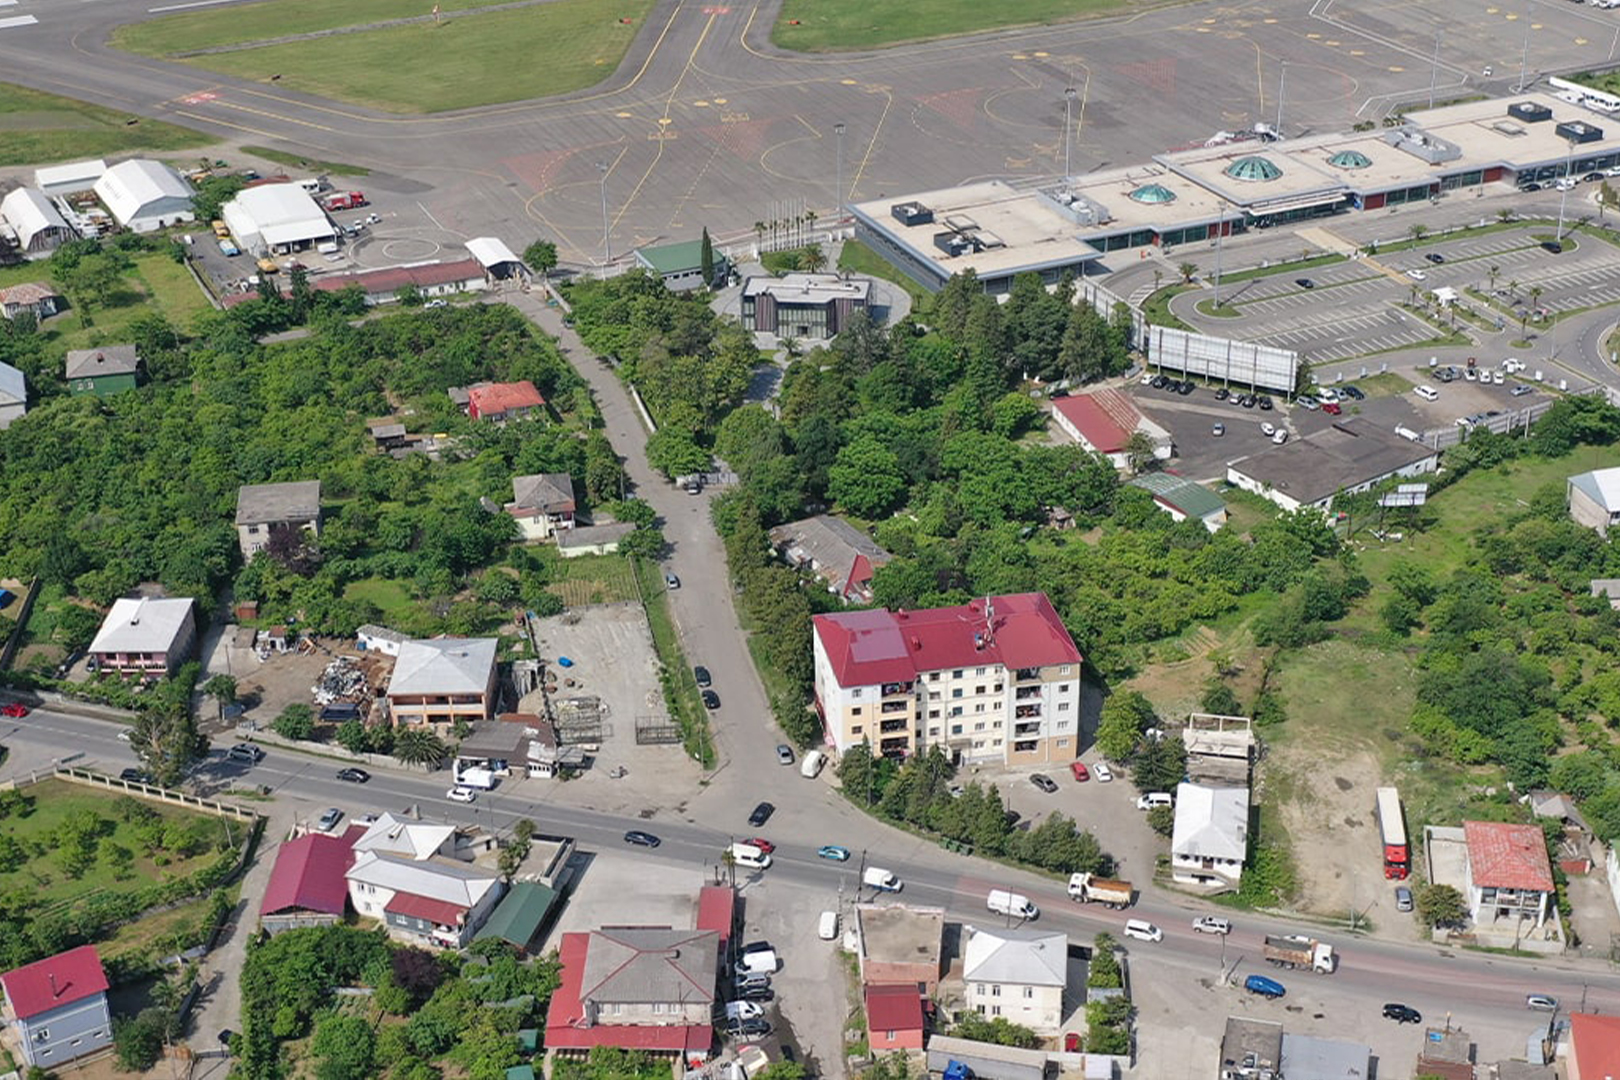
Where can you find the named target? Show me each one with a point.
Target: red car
(763, 844)
(1331, 408)
(11, 708)
(1079, 770)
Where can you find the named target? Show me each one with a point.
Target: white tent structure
(271, 217)
(13, 395)
(39, 228)
(70, 178)
(145, 195)
(496, 258)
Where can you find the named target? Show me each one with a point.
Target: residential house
(1251, 1049)
(500, 402)
(1594, 499)
(841, 555)
(1509, 873)
(1211, 837)
(261, 508)
(1308, 1057)
(434, 901)
(110, 369)
(58, 1007)
(404, 838)
(650, 989)
(1104, 421)
(373, 638)
(34, 297)
(995, 679)
(144, 196)
(145, 636)
(593, 539)
(39, 226)
(812, 307)
(442, 680)
(307, 886)
(901, 945)
(542, 504)
(13, 395)
(1017, 974)
(1609, 589)
(680, 265)
(894, 1018)
(1182, 499)
(1349, 455)
(1594, 1047)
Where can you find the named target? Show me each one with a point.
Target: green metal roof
(1194, 500)
(683, 258)
(520, 1072)
(519, 914)
(528, 1039)
(1253, 167)
(1153, 193)
(1350, 159)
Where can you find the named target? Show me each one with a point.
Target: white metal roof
(461, 884)
(142, 625)
(13, 387)
(30, 213)
(443, 666)
(1602, 485)
(1212, 822)
(74, 172)
(279, 213)
(1021, 957)
(130, 186)
(414, 840)
(490, 251)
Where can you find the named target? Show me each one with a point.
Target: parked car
(1552, 247)
(1541, 1002)
(757, 993)
(13, 709)
(1281, 436)
(1102, 772)
(353, 776)
(1161, 381)
(1305, 401)
(1416, 275)
(461, 794)
(1222, 393)
(711, 700)
(1265, 403)
(746, 1029)
(641, 839)
(671, 581)
(784, 754)
(329, 820)
(1266, 429)
(1353, 392)
(1078, 768)
(762, 813)
(1402, 1014)
(1212, 924)
(1186, 387)
(1218, 430)
(1403, 898)
(701, 674)
(1435, 257)
(1305, 283)
(1044, 782)
(1248, 401)
(1519, 390)
(833, 852)
(1267, 988)
(135, 776)
(1332, 408)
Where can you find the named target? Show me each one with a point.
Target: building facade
(1017, 974)
(434, 901)
(542, 505)
(810, 306)
(442, 680)
(145, 637)
(263, 507)
(111, 369)
(58, 1007)
(1594, 499)
(1210, 841)
(1509, 874)
(996, 679)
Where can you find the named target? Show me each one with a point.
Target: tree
(1493, 272)
(222, 688)
(1000, 1031)
(541, 257)
(352, 736)
(1187, 270)
(1162, 820)
(1160, 764)
(1139, 453)
(296, 721)
(1125, 715)
(1218, 698)
(418, 746)
(1417, 231)
(343, 1047)
(813, 259)
(706, 258)
(781, 1070)
(866, 478)
(1441, 905)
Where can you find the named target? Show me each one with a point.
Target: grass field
(156, 280)
(331, 168)
(466, 61)
(54, 801)
(593, 579)
(832, 25)
(680, 685)
(857, 258)
(38, 128)
(391, 596)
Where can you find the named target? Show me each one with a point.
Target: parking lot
(1201, 455)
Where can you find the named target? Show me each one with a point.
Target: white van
(1426, 392)
(1153, 799)
(314, 185)
(1017, 905)
(827, 930)
(881, 880)
(749, 856)
(1142, 930)
(810, 767)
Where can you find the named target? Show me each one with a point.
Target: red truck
(344, 200)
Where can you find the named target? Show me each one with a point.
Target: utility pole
(607, 246)
(1282, 83)
(1524, 61)
(838, 200)
(1069, 94)
(1220, 231)
(1434, 69)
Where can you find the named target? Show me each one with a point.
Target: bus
(1392, 827)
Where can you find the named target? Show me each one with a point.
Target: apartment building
(995, 679)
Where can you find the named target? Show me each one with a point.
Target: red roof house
(307, 887)
(635, 988)
(1104, 421)
(717, 911)
(503, 401)
(894, 1018)
(59, 1007)
(1509, 873)
(1594, 1047)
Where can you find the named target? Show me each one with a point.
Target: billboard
(1223, 359)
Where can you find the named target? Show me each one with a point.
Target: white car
(1497, 378)
(1266, 429)
(1212, 924)
(1280, 437)
(1326, 395)
(1513, 365)
(461, 794)
(1102, 773)
(1415, 274)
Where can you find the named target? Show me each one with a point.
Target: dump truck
(1090, 889)
(1299, 951)
(344, 200)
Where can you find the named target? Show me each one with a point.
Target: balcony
(897, 747)
(1027, 729)
(1024, 674)
(889, 707)
(894, 688)
(1025, 693)
(1027, 712)
(895, 725)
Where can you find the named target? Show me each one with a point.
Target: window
(979, 689)
(1064, 670)
(978, 671)
(933, 676)
(979, 726)
(75, 1042)
(42, 1035)
(979, 707)
(933, 733)
(1063, 689)
(957, 674)
(995, 990)
(1063, 706)
(933, 714)
(856, 711)
(1062, 743)
(957, 692)
(856, 730)
(1029, 991)
(658, 1006)
(995, 1010)
(856, 693)
(933, 695)
(956, 729)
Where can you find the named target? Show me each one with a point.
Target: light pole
(1069, 94)
(1220, 230)
(1282, 84)
(1434, 69)
(838, 195)
(1524, 61)
(1563, 189)
(607, 246)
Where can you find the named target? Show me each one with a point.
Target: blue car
(1259, 984)
(833, 852)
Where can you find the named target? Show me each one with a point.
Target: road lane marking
(193, 4)
(18, 20)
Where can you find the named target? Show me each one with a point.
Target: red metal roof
(1106, 418)
(377, 282)
(37, 988)
(565, 1017)
(1595, 1046)
(438, 912)
(871, 647)
(1504, 856)
(860, 576)
(308, 875)
(717, 911)
(893, 1008)
(502, 396)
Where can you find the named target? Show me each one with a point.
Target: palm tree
(1493, 272)
(1505, 214)
(812, 260)
(1417, 230)
(419, 746)
(1513, 288)
(759, 235)
(1187, 270)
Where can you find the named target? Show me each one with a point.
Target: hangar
(39, 228)
(144, 196)
(277, 217)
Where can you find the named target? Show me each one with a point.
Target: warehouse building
(277, 218)
(1349, 456)
(69, 179)
(144, 196)
(35, 222)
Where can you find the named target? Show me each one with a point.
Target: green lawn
(857, 258)
(53, 802)
(38, 128)
(680, 685)
(391, 596)
(593, 579)
(830, 25)
(466, 61)
(156, 280)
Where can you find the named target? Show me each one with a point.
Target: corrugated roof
(490, 252)
(717, 910)
(107, 360)
(31, 213)
(388, 280)
(434, 910)
(1024, 957)
(1211, 822)
(1594, 1045)
(259, 504)
(893, 1008)
(1105, 419)
(457, 883)
(13, 386)
(59, 980)
(1507, 856)
(569, 1028)
(131, 186)
(641, 964)
(551, 492)
(82, 172)
(416, 840)
(518, 916)
(280, 213)
(685, 257)
(503, 397)
(308, 875)
(1194, 500)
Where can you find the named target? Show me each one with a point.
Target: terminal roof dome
(1350, 159)
(1153, 193)
(1253, 167)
